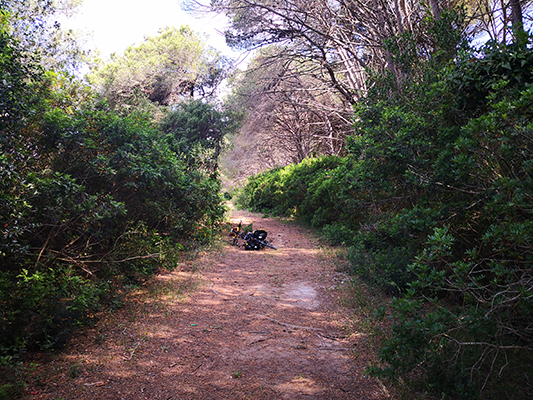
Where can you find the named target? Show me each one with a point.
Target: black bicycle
(256, 240)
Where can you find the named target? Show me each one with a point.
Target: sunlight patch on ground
(299, 385)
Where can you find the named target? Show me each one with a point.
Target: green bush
(339, 234)
(40, 307)
(303, 190)
(462, 329)
(434, 205)
(90, 199)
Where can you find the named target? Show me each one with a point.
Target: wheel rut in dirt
(250, 325)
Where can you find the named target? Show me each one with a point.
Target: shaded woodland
(401, 130)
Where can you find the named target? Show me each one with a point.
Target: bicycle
(235, 233)
(256, 240)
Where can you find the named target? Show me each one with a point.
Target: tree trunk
(517, 21)
(435, 8)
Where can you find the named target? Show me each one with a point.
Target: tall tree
(301, 103)
(196, 130)
(164, 69)
(288, 116)
(339, 39)
(34, 23)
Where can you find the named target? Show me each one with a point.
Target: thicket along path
(232, 325)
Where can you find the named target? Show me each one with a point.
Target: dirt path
(242, 325)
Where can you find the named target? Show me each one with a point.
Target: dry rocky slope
(237, 324)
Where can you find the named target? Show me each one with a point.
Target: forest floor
(230, 324)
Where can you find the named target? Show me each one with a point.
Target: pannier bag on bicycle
(256, 240)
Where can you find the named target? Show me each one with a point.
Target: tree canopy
(35, 25)
(163, 70)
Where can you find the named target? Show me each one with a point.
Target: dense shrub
(434, 205)
(88, 199)
(41, 307)
(304, 190)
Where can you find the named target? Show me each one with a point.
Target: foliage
(293, 190)
(434, 204)
(89, 201)
(16, 70)
(40, 307)
(34, 23)
(464, 161)
(163, 70)
(196, 130)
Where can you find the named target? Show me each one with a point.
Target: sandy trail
(244, 325)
